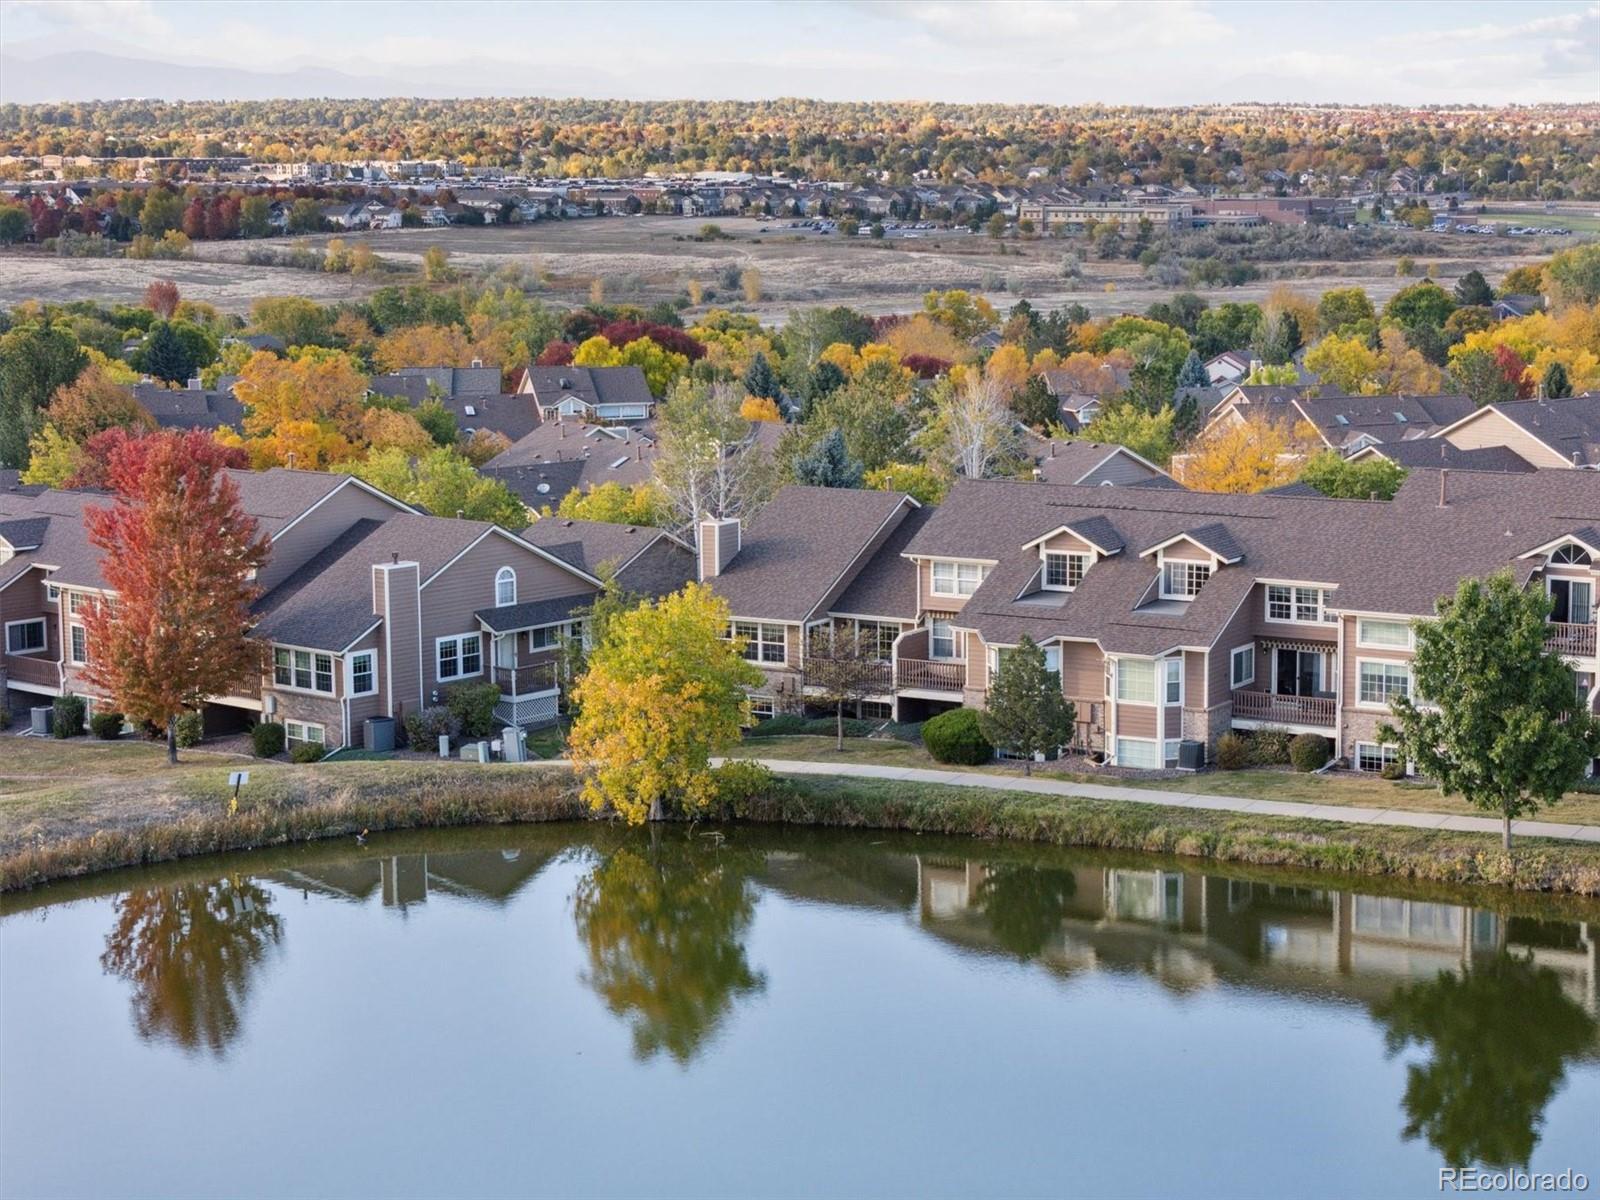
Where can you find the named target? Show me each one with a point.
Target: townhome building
(368, 607)
(605, 394)
(1171, 617)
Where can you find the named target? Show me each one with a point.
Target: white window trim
(957, 644)
(505, 574)
(1166, 678)
(52, 593)
(42, 622)
(955, 564)
(458, 639)
(1370, 706)
(1046, 555)
(350, 672)
(1380, 747)
(1233, 666)
(1408, 644)
(1155, 743)
(1187, 564)
(759, 642)
(289, 739)
(1322, 618)
(72, 651)
(1156, 683)
(333, 689)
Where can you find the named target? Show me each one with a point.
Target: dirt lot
(643, 259)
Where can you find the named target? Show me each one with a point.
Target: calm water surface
(569, 1011)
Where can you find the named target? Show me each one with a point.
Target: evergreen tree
(1473, 290)
(760, 379)
(829, 464)
(1026, 712)
(1034, 405)
(1556, 384)
(824, 380)
(34, 361)
(1193, 372)
(167, 356)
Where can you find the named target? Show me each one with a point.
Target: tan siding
(312, 534)
(1065, 543)
(1194, 679)
(1187, 551)
(1083, 675)
(1239, 630)
(977, 663)
(1119, 469)
(927, 601)
(1492, 429)
(1136, 720)
(399, 666)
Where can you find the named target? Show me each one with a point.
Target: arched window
(505, 587)
(1570, 553)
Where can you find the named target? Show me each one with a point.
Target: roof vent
(477, 362)
(563, 382)
(1401, 417)
(542, 488)
(1340, 419)
(470, 410)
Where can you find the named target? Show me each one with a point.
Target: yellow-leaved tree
(665, 690)
(1247, 455)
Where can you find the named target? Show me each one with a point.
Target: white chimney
(194, 383)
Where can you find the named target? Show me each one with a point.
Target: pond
(585, 1011)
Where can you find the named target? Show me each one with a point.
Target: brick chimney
(719, 541)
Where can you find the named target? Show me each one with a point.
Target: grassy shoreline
(54, 827)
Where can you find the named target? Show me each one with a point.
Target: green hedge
(67, 720)
(266, 739)
(1309, 751)
(786, 724)
(107, 726)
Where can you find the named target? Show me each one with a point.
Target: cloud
(111, 18)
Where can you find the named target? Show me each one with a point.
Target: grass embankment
(1433, 855)
(1260, 783)
(71, 808)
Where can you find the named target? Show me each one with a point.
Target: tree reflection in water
(1025, 905)
(190, 951)
(663, 929)
(1501, 1035)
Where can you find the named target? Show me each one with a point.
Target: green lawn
(1357, 791)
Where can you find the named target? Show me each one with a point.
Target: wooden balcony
(33, 668)
(1270, 708)
(535, 679)
(1574, 641)
(816, 674)
(928, 675)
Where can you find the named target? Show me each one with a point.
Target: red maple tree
(179, 555)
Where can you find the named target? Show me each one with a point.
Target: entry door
(505, 650)
(1574, 601)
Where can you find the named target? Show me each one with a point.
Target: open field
(647, 258)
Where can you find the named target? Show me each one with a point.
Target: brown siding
(1083, 675)
(1194, 679)
(1187, 551)
(927, 601)
(362, 707)
(1065, 543)
(1172, 722)
(312, 534)
(1136, 720)
(1239, 630)
(400, 663)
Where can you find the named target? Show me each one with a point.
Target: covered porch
(1293, 687)
(525, 655)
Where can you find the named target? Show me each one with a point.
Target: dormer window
(505, 587)
(1063, 572)
(956, 578)
(1570, 553)
(1182, 578)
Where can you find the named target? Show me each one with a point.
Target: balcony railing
(34, 669)
(930, 675)
(526, 681)
(816, 673)
(1575, 641)
(1275, 709)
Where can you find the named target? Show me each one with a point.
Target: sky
(1157, 52)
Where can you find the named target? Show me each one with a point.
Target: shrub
(785, 724)
(107, 726)
(307, 752)
(191, 728)
(423, 728)
(68, 719)
(1270, 747)
(954, 737)
(1393, 771)
(1309, 751)
(1233, 752)
(266, 739)
(739, 783)
(472, 705)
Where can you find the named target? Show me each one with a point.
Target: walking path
(1128, 795)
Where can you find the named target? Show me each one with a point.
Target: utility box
(512, 742)
(377, 733)
(1191, 755)
(41, 719)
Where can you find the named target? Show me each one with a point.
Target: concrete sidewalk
(1272, 808)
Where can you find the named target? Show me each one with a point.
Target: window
(1381, 682)
(956, 578)
(1052, 658)
(1570, 554)
(77, 602)
(1370, 756)
(941, 640)
(1302, 604)
(505, 587)
(296, 733)
(302, 669)
(1063, 572)
(544, 639)
(1136, 680)
(1173, 673)
(1169, 752)
(1242, 666)
(364, 673)
(763, 708)
(1138, 752)
(762, 643)
(52, 593)
(1181, 579)
(459, 656)
(880, 636)
(80, 643)
(26, 637)
(1371, 632)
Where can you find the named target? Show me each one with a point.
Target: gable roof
(558, 456)
(190, 408)
(1437, 452)
(592, 385)
(796, 551)
(1073, 461)
(887, 585)
(1342, 419)
(593, 545)
(413, 382)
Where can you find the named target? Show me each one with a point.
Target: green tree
(828, 464)
(922, 483)
(1148, 434)
(438, 420)
(1481, 377)
(1344, 311)
(665, 690)
(1555, 384)
(617, 504)
(1026, 712)
(1499, 1036)
(843, 666)
(760, 379)
(53, 458)
(870, 412)
(1229, 326)
(298, 321)
(664, 930)
(1193, 372)
(1033, 404)
(1424, 303)
(162, 212)
(175, 351)
(443, 482)
(1473, 290)
(14, 223)
(255, 217)
(1493, 714)
(1334, 475)
(35, 360)
(1573, 276)
(305, 216)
